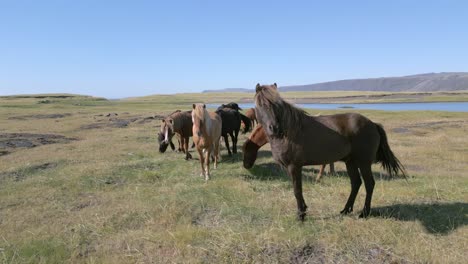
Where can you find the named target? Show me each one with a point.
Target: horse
(231, 122)
(298, 139)
(179, 123)
(244, 119)
(256, 140)
(163, 144)
(206, 131)
(250, 113)
(231, 105)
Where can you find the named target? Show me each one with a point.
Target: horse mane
(202, 114)
(288, 117)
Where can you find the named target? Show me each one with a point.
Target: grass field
(79, 186)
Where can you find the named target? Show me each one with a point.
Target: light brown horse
(179, 123)
(256, 140)
(206, 134)
(250, 113)
(298, 139)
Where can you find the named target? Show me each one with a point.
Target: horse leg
(319, 175)
(207, 153)
(216, 153)
(186, 150)
(332, 168)
(226, 141)
(202, 161)
(295, 172)
(369, 183)
(234, 140)
(180, 141)
(356, 182)
(172, 145)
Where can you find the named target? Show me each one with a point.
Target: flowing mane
(200, 113)
(289, 117)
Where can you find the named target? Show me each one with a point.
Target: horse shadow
(234, 158)
(378, 176)
(267, 172)
(437, 218)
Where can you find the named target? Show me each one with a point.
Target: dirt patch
(401, 130)
(308, 254)
(455, 124)
(112, 121)
(48, 116)
(23, 173)
(84, 201)
(12, 141)
(208, 217)
(377, 254)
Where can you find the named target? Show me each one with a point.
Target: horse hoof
(346, 211)
(301, 216)
(364, 214)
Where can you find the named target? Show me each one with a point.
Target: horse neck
(259, 137)
(207, 122)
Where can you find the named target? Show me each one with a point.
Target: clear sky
(132, 48)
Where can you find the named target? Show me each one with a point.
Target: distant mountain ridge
(427, 82)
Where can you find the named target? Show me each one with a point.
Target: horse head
(198, 117)
(268, 110)
(167, 129)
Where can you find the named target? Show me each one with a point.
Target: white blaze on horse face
(166, 135)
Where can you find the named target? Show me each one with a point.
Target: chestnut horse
(250, 113)
(206, 134)
(298, 139)
(256, 140)
(179, 123)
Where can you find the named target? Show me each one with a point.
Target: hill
(428, 82)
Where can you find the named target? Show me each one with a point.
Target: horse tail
(389, 161)
(247, 123)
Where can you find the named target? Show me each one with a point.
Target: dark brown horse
(179, 123)
(231, 123)
(298, 139)
(247, 122)
(256, 140)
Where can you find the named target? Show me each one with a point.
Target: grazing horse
(163, 144)
(298, 139)
(256, 140)
(250, 113)
(206, 134)
(179, 123)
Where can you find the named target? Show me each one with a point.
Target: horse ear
(193, 106)
(257, 88)
(204, 105)
(275, 85)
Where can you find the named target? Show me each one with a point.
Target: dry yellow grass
(110, 197)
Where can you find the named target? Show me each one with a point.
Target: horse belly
(326, 153)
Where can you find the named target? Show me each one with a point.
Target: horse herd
(296, 138)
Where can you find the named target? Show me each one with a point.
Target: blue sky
(132, 48)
